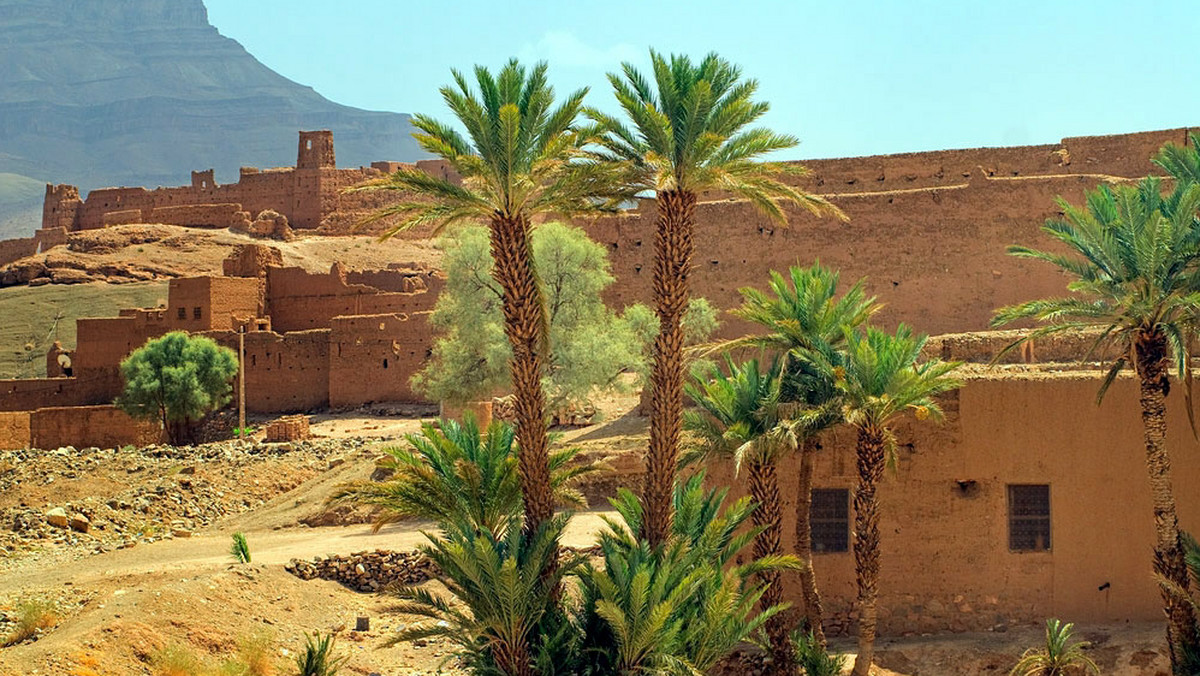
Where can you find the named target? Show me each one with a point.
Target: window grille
(1029, 518)
(196, 313)
(830, 518)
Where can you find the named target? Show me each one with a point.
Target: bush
(178, 660)
(1059, 657)
(814, 658)
(254, 656)
(176, 380)
(317, 658)
(32, 617)
(240, 549)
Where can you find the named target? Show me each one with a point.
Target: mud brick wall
(946, 563)
(51, 237)
(80, 426)
(122, 217)
(285, 373)
(200, 216)
(60, 206)
(14, 430)
(218, 299)
(372, 358)
(289, 428)
(16, 249)
(298, 300)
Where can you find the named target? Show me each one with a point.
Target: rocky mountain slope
(139, 92)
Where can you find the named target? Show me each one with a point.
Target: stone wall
(946, 562)
(366, 571)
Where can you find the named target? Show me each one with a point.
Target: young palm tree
(689, 131)
(802, 312)
(1133, 258)
(452, 474)
(1060, 657)
(739, 416)
(519, 160)
(880, 379)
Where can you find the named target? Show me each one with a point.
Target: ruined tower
(316, 150)
(60, 206)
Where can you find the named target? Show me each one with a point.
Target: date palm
(738, 415)
(802, 311)
(880, 379)
(1133, 256)
(519, 160)
(688, 130)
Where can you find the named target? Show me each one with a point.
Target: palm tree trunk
(514, 660)
(767, 515)
(672, 262)
(870, 451)
(814, 613)
(524, 325)
(1182, 638)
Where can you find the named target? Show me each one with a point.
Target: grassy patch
(32, 617)
(30, 313)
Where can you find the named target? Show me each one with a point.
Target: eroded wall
(373, 357)
(80, 426)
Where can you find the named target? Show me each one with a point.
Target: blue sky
(848, 78)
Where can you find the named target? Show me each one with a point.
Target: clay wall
(211, 303)
(935, 257)
(946, 562)
(82, 426)
(15, 249)
(284, 373)
(50, 237)
(60, 206)
(32, 393)
(372, 358)
(298, 300)
(200, 216)
(14, 430)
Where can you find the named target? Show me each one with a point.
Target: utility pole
(242, 382)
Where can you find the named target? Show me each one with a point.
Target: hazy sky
(848, 78)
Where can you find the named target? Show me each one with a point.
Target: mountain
(139, 92)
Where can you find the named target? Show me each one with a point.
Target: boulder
(57, 517)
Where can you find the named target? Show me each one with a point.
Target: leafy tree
(689, 130)
(177, 379)
(518, 163)
(802, 311)
(450, 473)
(590, 346)
(739, 416)
(1133, 256)
(880, 378)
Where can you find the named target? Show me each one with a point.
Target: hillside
(140, 92)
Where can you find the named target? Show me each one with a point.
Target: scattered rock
(57, 517)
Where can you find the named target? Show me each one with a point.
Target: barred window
(181, 313)
(830, 518)
(1029, 517)
(195, 313)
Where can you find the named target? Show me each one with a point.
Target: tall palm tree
(689, 130)
(880, 379)
(738, 415)
(519, 160)
(803, 312)
(1133, 261)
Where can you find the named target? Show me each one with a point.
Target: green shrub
(814, 658)
(240, 550)
(318, 658)
(178, 660)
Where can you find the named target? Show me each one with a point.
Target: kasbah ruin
(928, 229)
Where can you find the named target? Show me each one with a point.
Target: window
(182, 313)
(1029, 518)
(830, 518)
(195, 313)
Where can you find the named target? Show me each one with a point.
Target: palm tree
(1060, 657)
(1133, 260)
(739, 416)
(802, 312)
(457, 477)
(689, 131)
(519, 160)
(880, 379)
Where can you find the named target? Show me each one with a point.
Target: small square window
(1029, 517)
(830, 519)
(182, 313)
(196, 313)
